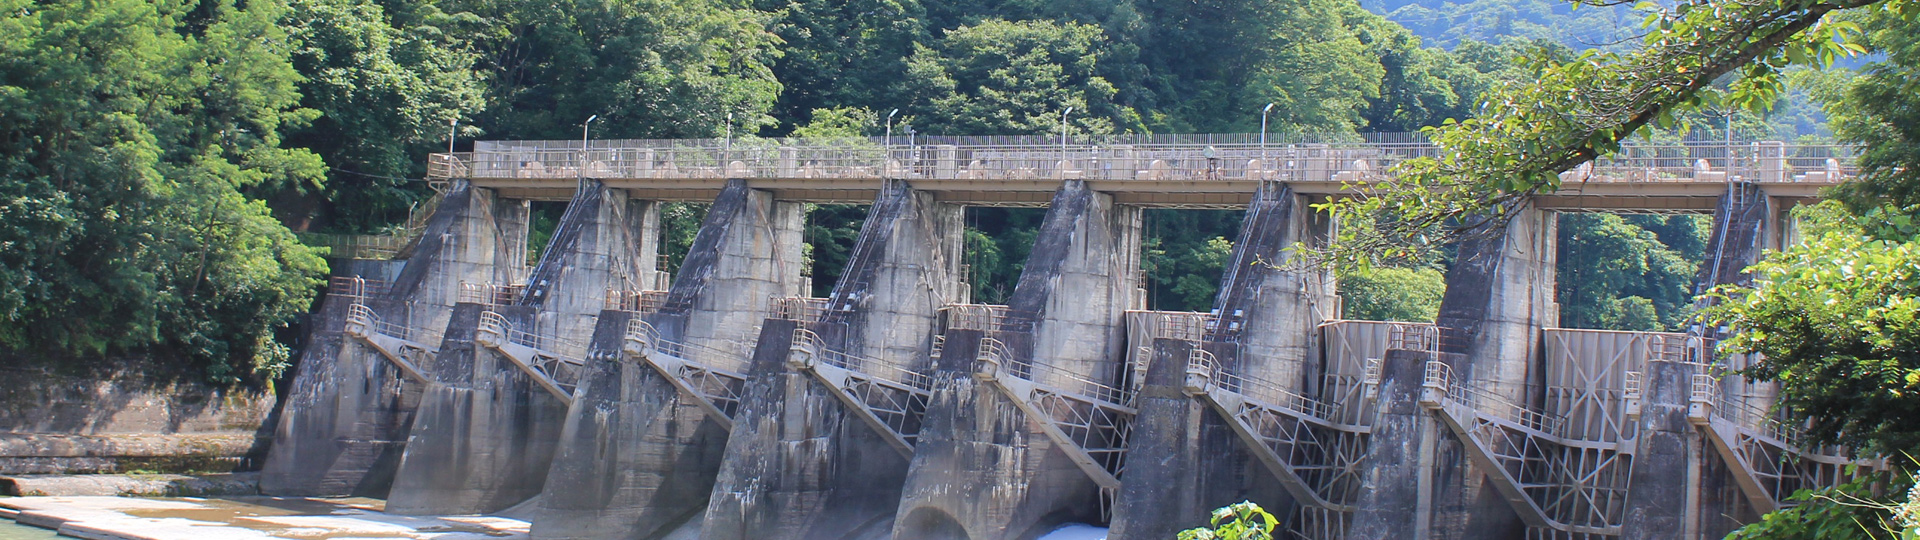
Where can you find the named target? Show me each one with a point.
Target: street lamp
(1263, 135)
(1063, 135)
(452, 125)
(583, 144)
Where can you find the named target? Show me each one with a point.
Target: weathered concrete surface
(121, 417)
(1499, 295)
(1183, 459)
(1745, 225)
(485, 432)
(1394, 502)
(347, 415)
(637, 459)
(982, 469)
(1267, 310)
(799, 464)
(131, 485)
(1657, 505)
(1267, 316)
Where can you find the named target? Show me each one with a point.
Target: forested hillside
(158, 154)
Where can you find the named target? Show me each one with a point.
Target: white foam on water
(1076, 531)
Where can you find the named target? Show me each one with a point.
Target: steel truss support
(557, 373)
(1769, 463)
(1091, 425)
(890, 400)
(1566, 485)
(1318, 461)
(714, 378)
(399, 344)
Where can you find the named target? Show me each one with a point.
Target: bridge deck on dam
(1185, 171)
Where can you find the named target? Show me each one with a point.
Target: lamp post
(1263, 134)
(583, 144)
(452, 126)
(1063, 136)
(889, 141)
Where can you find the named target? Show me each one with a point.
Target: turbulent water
(1076, 531)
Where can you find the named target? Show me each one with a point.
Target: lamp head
(1268, 108)
(590, 119)
(890, 114)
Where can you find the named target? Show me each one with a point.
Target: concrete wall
(982, 469)
(348, 413)
(121, 417)
(1267, 316)
(799, 464)
(485, 432)
(636, 458)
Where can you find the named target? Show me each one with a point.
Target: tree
(130, 131)
(1392, 294)
(648, 68)
(1836, 321)
(1576, 110)
(386, 90)
(1008, 78)
(1239, 521)
(1880, 111)
(1614, 274)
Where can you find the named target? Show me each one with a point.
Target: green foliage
(649, 68)
(1393, 294)
(386, 88)
(130, 130)
(1616, 275)
(1184, 254)
(831, 232)
(1856, 510)
(997, 243)
(1003, 78)
(1579, 108)
(1880, 110)
(1239, 521)
(1834, 320)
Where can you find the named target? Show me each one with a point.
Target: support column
(1191, 462)
(1499, 296)
(637, 459)
(1267, 317)
(350, 409)
(1397, 500)
(1657, 498)
(1268, 312)
(1745, 224)
(799, 462)
(982, 469)
(485, 432)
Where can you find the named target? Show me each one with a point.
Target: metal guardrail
(797, 308)
(873, 367)
(490, 294)
(637, 301)
(1204, 372)
(357, 287)
(988, 318)
(360, 314)
(1184, 158)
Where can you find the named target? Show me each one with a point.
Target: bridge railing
(1186, 157)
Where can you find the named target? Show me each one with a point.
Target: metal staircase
(404, 346)
(552, 362)
(890, 399)
(713, 377)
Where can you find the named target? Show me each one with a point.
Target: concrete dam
(609, 400)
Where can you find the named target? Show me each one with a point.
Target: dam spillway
(611, 401)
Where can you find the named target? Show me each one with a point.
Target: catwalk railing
(1172, 157)
(1767, 455)
(556, 364)
(891, 399)
(712, 377)
(404, 346)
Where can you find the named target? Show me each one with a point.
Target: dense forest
(160, 154)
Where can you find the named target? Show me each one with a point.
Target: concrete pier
(813, 453)
(637, 457)
(486, 430)
(1263, 331)
(982, 468)
(350, 409)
